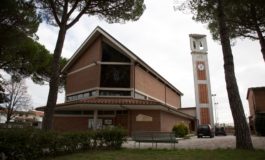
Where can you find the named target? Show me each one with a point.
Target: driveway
(202, 143)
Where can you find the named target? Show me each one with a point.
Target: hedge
(33, 144)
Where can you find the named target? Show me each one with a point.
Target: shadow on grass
(166, 154)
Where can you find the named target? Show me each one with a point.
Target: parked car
(205, 130)
(220, 131)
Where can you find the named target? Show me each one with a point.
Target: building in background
(108, 85)
(2, 115)
(31, 118)
(256, 101)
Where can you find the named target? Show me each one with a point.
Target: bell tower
(204, 110)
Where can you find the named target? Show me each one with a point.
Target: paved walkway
(202, 143)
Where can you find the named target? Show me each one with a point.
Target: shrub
(260, 124)
(180, 130)
(19, 144)
(32, 144)
(113, 137)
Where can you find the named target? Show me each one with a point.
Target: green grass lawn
(150, 154)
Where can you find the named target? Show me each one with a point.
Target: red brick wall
(260, 100)
(91, 55)
(70, 123)
(145, 126)
(168, 120)
(205, 116)
(82, 80)
(89, 77)
(172, 98)
(122, 120)
(203, 93)
(148, 84)
(251, 103)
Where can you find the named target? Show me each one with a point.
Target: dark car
(220, 131)
(205, 130)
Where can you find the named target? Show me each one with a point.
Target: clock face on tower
(201, 67)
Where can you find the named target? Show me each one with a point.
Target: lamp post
(216, 112)
(215, 108)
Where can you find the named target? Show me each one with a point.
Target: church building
(109, 85)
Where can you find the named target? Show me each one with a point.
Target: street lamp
(215, 108)
(216, 112)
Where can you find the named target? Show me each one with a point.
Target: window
(107, 121)
(122, 112)
(69, 112)
(114, 93)
(86, 95)
(93, 93)
(115, 76)
(75, 112)
(88, 112)
(106, 112)
(81, 96)
(90, 123)
(139, 96)
(110, 54)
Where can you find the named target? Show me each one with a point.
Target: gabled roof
(98, 31)
(255, 89)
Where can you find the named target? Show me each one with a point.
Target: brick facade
(70, 123)
(154, 125)
(172, 98)
(168, 120)
(205, 119)
(83, 80)
(256, 100)
(80, 78)
(203, 93)
(91, 54)
(251, 103)
(148, 84)
(161, 121)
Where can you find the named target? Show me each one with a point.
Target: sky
(161, 39)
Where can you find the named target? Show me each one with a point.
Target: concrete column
(95, 117)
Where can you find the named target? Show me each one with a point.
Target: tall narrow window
(114, 75)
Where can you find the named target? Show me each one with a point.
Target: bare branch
(18, 97)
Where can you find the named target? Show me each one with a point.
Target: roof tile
(120, 101)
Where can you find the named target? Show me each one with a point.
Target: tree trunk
(54, 81)
(257, 28)
(9, 113)
(262, 42)
(242, 132)
(8, 118)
